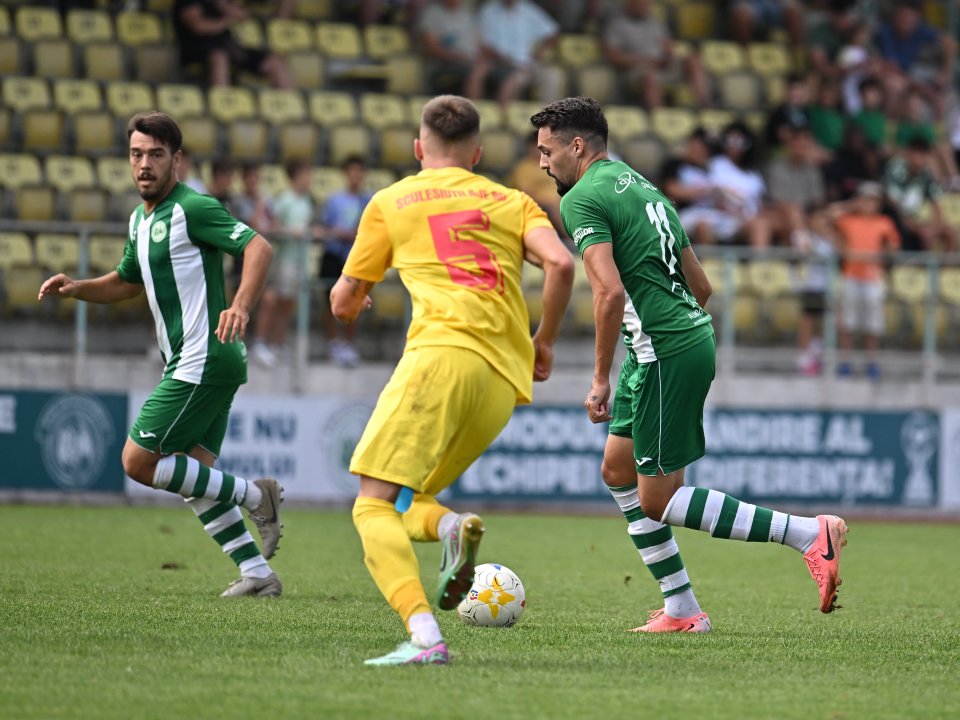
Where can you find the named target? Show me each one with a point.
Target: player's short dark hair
(222, 166)
(452, 118)
(249, 166)
(159, 126)
(572, 116)
(296, 166)
(354, 159)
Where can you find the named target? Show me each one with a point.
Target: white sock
(255, 567)
(187, 477)
(445, 526)
(682, 605)
(801, 532)
(424, 629)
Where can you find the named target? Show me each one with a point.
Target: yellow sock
(388, 555)
(423, 518)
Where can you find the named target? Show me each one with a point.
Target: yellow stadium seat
(746, 314)
(500, 151)
(415, 108)
(381, 111)
(306, 69)
(86, 205)
(94, 132)
(533, 299)
(75, 96)
(396, 147)
(247, 139)
(333, 108)
(348, 140)
(287, 36)
(10, 62)
(518, 116)
(950, 285)
(34, 202)
(136, 28)
(103, 61)
(53, 59)
(231, 103)
(22, 93)
(582, 303)
(21, 290)
(299, 140)
(717, 270)
(909, 283)
(181, 101)
(405, 75)
(491, 114)
(385, 41)
(626, 122)
(645, 154)
(19, 170)
(4, 21)
(720, 56)
(113, 175)
(672, 125)
(69, 173)
(105, 252)
(694, 20)
(598, 82)
(86, 26)
(43, 130)
(38, 24)
(249, 34)
(200, 134)
(775, 89)
(950, 205)
(122, 205)
(273, 179)
(282, 106)
(378, 178)
(339, 40)
(155, 63)
(326, 181)
(126, 99)
(769, 58)
(57, 251)
(578, 51)
(740, 90)
(769, 278)
(6, 126)
(715, 120)
(15, 250)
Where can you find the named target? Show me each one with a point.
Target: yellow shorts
(441, 409)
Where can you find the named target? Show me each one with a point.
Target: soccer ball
(497, 598)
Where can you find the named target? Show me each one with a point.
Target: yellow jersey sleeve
(533, 215)
(371, 253)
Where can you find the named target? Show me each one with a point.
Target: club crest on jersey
(158, 232)
(624, 181)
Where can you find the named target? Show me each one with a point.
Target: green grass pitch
(93, 626)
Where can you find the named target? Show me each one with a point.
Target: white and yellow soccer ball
(496, 599)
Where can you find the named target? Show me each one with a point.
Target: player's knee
(615, 475)
(135, 466)
(653, 508)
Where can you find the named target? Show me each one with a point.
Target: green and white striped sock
(188, 477)
(723, 516)
(224, 523)
(659, 552)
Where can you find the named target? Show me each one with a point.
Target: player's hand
(543, 360)
(598, 401)
(233, 325)
(60, 285)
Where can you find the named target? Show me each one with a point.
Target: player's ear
(418, 149)
(477, 154)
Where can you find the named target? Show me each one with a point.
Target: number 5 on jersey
(469, 262)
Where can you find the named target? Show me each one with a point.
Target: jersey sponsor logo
(158, 232)
(624, 180)
(146, 435)
(580, 233)
(237, 230)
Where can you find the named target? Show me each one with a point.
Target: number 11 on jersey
(658, 216)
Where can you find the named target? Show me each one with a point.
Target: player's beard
(160, 186)
(562, 187)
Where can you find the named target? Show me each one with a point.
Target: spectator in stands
(202, 29)
(222, 172)
(910, 185)
(341, 216)
(639, 45)
(575, 16)
(187, 174)
(293, 225)
(528, 176)
(252, 204)
(916, 56)
(748, 15)
(917, 123)
(450, 41)
(515, 35)
(817, 248)
(872, 118)
(686, 181)
(795, 186)
(827, 35)
(406, 12)
(827, 119)
(793, 111)
(853, 163)
(857, 61)
(864, 235)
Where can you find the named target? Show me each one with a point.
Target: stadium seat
(126, 99)
(769, 278)
(19, 170)
(6, 128)
(23, 93)
(645, 154)
(500, 151)
(326, 181)
(950, 206)
(306, 69)
(54, 59)
(273, 179)
(715, 120)
(746, 314)
(775, 89)
(43, 130)
(247, 139)
(339, 40)
(491, 114)
(299, 140)
(578, 51)
(181, 101)
(349, 140)
(120, 206)
(15, 250)
(333, 108)
(282, 106)
(201, 135)
(720, 56)
(135, 29)
(4, 21)
(87, 26)
(672, 125)
(909, 283)
(94, 132)
(21, 288)
(405, 75)
(740, 90)
(769, 59)
(518, 116)
(34, 202)
(379, 111)
(377, 179)
(10, 61)
(950, 285)
(69, 173)
(396, 147)
(113, 175)
(155, 63)
(231, 103)
(385, 41)
(38, 23)
(626, 122)
(249, 34)
(287, 36)
(76, 96)
(57, 252)
(694, 20)
(104, 62)
(597, 81)
(717, 271)
(86, 205)
(105, 252)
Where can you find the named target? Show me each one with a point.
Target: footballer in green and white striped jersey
(176, 252)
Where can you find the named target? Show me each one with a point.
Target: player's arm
(106, 289)
(696, 276)
(350, 297)
(368, 260)
(256, 262)
(608, 303)
(543, 248)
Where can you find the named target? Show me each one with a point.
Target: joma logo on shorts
(580, 233)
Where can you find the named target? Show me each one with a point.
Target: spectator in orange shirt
(864, 234)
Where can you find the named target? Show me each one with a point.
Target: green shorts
(178, 416)
(660, 406)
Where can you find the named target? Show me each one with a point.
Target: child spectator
(872, 119)
(792, 112)
(827, 121)
(818, 249)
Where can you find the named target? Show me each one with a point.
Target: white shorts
(863, 306)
